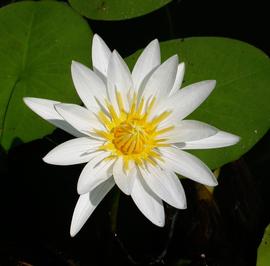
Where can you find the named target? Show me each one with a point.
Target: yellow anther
(126, 163)
(120, 101)
(112, 112)
(104, 134)
(162, 131)
(160, 118)
(140, 106)
(150, 107)
(105, 120)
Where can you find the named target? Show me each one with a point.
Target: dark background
(243, 20)
(225, 228)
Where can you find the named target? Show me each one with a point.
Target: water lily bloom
(131, 131)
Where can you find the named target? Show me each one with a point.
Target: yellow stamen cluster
(131, 134)
(130, 137)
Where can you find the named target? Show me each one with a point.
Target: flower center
(130, 137)
(130, 133)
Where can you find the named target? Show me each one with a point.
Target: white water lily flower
(131, 131)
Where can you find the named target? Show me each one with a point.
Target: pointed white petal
(75, 151)
(148, 60)
(179, 78)
(45, 109)
(142, 86)
(87, 204)
(79, 117)
(162, 79)
(148, 203)
(166, 185)
(189, 130)
(124, 178)
(186, 100)
(190, 98)
(221, 139)
(187, 165)
(100, 56)
(119, 79)
(89, 86)
(94, 173)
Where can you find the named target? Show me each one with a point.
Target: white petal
(221, 139)
(94, 173)
(179, 78)
(119, 79)
(166, 185)
(45, 109)
(148, 60)
(186, 100)
(79, 117)
(100, 56)
(148, 203)
(87, 204)
(75, 151)
(189, 130)
(89, 86)
(162, 79)
(187, 165)
(124, 178)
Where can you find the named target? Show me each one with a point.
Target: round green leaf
(263, 254)
(116, 9)
(38, 41)
(240, 102)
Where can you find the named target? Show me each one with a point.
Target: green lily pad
(38, 41)
(240, 102)
(263, 254)
(116, 9)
